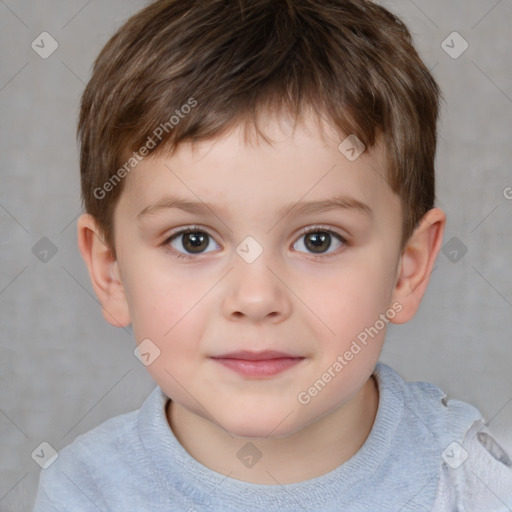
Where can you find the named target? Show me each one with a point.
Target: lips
(255, 356)
(258, 364)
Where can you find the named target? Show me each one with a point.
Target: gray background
(64, 370)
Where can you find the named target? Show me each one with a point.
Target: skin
(290, 299)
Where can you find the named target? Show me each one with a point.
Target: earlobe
(103, 271)
(417, 262)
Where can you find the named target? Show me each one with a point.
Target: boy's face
(307, 296)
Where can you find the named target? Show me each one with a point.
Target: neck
(308, 453)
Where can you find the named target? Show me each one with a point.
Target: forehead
(301, 164)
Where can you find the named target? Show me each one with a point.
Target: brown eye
(195, 242)
(191, 241)
(319, 241)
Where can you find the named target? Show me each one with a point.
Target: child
(259, 274)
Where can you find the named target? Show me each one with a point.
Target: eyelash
(316, 229)
(177, 254)
(195, 229)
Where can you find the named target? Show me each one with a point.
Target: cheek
(160, 301)
(351, 299)
(165, 311)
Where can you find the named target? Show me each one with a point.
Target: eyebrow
(297, 208)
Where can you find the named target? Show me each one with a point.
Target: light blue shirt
(423, 453)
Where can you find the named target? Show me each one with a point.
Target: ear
(416, 263)
(103, 271)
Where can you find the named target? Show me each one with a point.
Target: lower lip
(263, 368)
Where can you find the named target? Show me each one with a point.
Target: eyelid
(187, 229)
(318, 227)
(181, 231)
(312, 228)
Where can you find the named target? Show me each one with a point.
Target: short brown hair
(350, 61)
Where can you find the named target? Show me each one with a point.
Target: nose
(256, 293)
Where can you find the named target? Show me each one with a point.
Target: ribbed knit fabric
(134, 462)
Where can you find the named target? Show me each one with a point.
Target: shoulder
(100, 457)
(428, 406)
(475, 471)
(101, 444)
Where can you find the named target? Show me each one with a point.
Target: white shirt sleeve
(476, 475)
